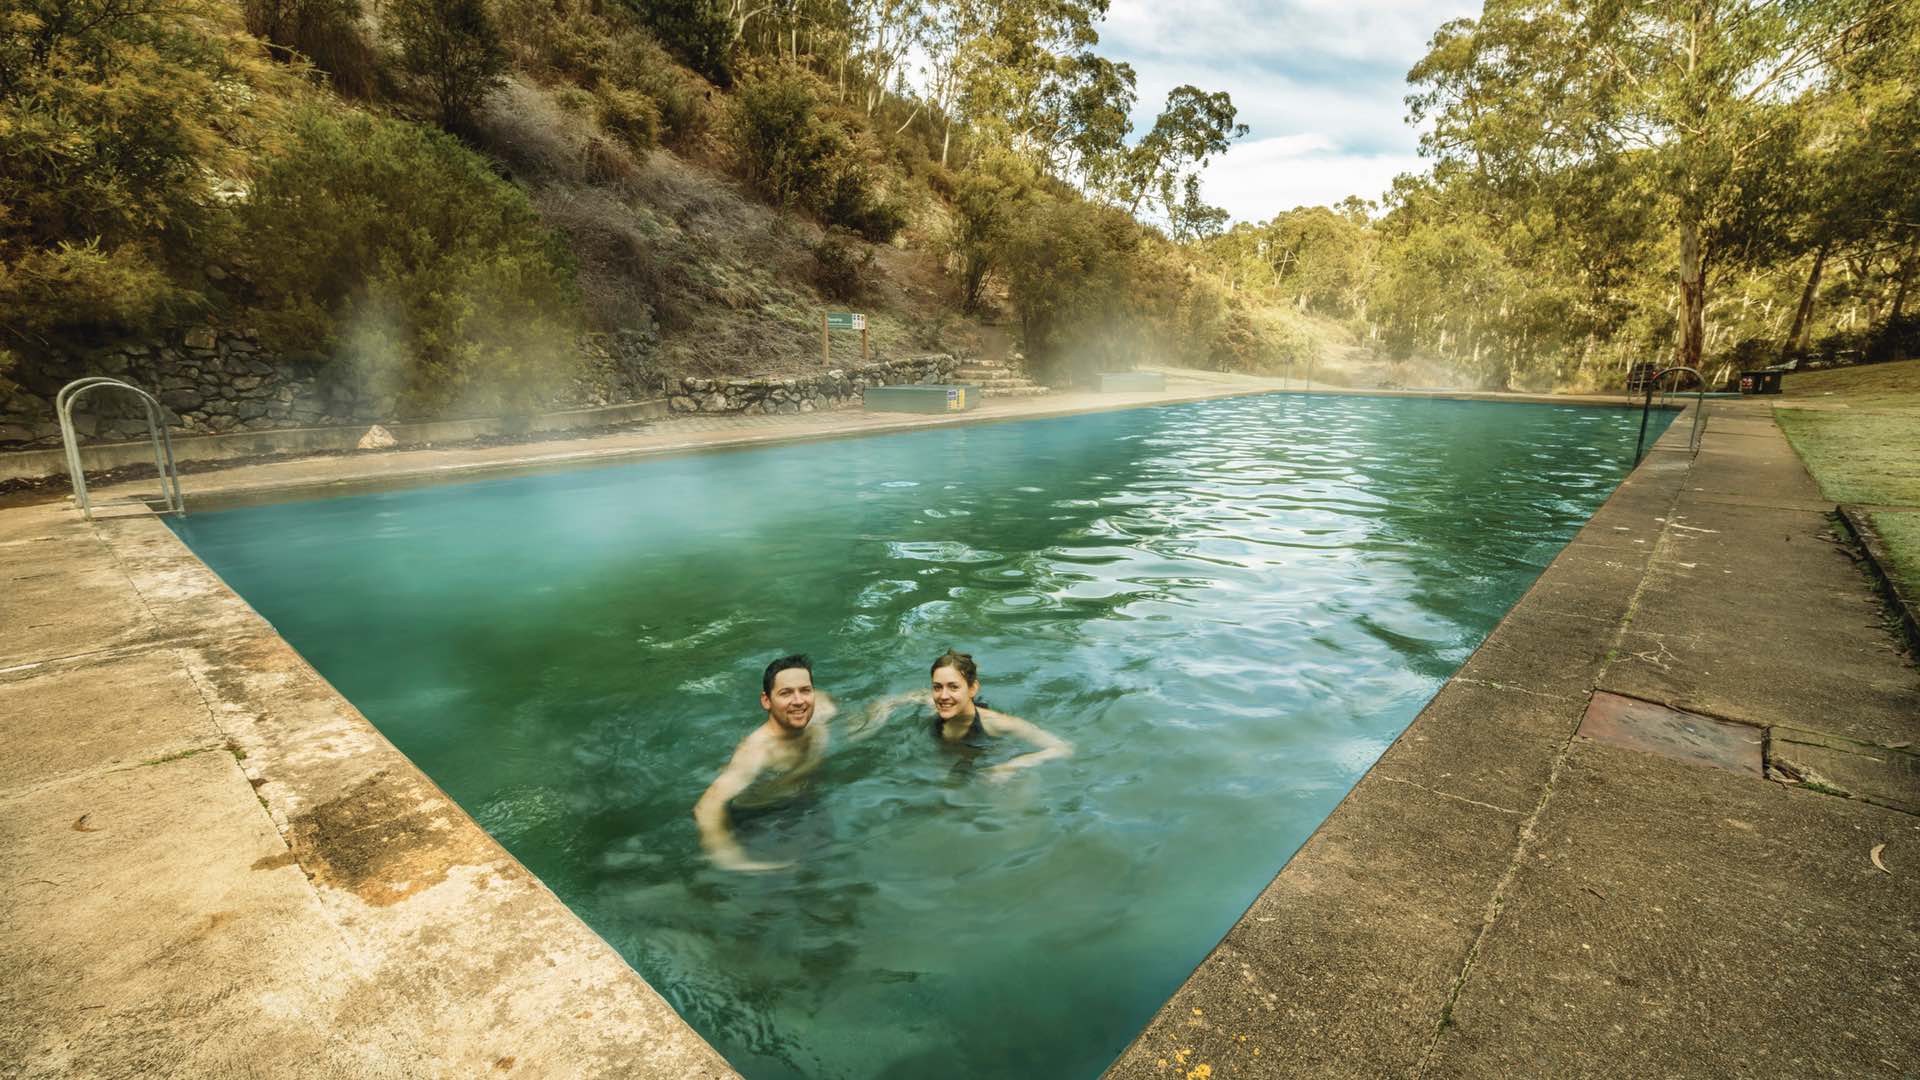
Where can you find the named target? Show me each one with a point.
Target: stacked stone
(210, 383)
(803, 394)
(217, 383)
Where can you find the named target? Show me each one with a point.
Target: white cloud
(1258, 179)
(1321, 84)
(1282, 32)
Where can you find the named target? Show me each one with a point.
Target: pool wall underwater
(335, 777)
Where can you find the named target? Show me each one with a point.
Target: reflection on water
(1230, 608)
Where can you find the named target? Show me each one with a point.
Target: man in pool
(789, 745)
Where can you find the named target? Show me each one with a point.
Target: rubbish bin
(1761, 381)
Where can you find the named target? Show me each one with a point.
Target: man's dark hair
(797, 660)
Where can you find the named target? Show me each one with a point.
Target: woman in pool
(961, 718)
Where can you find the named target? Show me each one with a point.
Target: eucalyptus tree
(949, 35)
(1163, 168)
(1683, 100)
(1088, 117)
(1018, 70)
(886, 30)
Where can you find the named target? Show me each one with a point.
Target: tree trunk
(1693, 296)
(1906, 277)
(946, 140)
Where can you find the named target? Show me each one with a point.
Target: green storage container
(920, 398)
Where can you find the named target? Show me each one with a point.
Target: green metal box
(1134, 382)
(920, 398)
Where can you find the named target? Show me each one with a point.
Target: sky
(1321, 84)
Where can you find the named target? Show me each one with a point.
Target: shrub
(1897, 338)
(111, 139)
(399, 252)
(605, 48)
(628, 115)
(327, 32)
(680, 101)
(1071, 268)
(841, 264)
(698, 31)
(454, 49)
(853, 206)
(987, 200)
(783, 142)
(792, 148)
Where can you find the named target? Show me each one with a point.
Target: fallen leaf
(1875, 856)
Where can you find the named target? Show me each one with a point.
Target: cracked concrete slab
(73, 717)
(1681, 736)
(1670, 920)
(1882, 775)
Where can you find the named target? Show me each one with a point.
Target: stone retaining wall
(809, 393)
(218, 383)
(221, 382)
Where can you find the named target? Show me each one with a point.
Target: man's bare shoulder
(755, 747)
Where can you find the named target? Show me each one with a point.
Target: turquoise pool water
(1230, 608)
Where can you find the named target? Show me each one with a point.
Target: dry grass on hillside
(677, 250)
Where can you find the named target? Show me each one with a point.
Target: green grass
(1895, 385)
(1901, 530)
(1859, 456)
(1858, 430)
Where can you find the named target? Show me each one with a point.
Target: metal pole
(1645, 409)
(826, 354)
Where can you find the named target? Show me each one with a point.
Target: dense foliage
(391, 248)
(1719, 183)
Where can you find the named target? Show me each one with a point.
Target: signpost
(841, 320)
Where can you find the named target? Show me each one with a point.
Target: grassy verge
(1858, 430)
(1901, 530)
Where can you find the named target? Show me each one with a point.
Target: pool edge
(1401, 876)
(433, 908)
(315, 478)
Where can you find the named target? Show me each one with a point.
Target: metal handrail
(1699, 409)
(70, 395)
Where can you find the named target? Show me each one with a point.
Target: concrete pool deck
(215, 866)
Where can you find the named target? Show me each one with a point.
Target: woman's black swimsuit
(976, 736)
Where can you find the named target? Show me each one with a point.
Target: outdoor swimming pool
(1230, 608)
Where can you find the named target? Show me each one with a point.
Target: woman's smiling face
(952, 693)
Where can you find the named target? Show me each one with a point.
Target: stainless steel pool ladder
(170, 501)
(1699, 410)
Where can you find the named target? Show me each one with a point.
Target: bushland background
(462, 202)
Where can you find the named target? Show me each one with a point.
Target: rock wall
(799, 394)
(215, 383)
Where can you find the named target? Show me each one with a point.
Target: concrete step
(999, 384)
(1029, 390)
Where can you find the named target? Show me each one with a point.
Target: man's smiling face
(791, 702)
